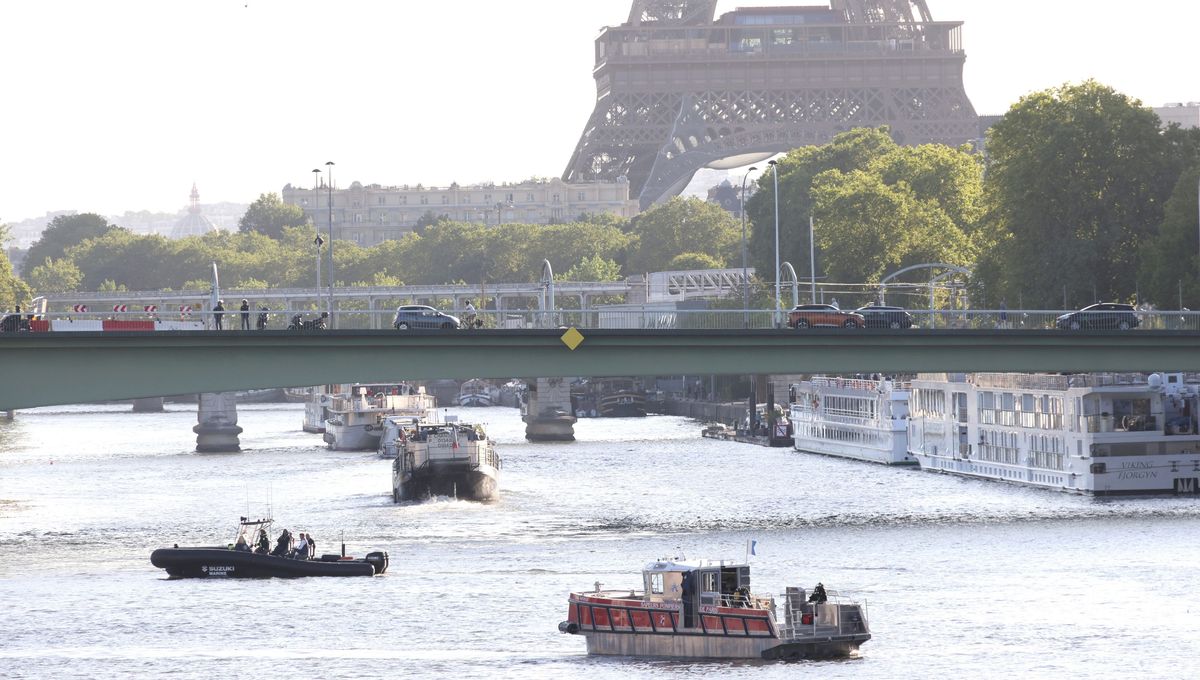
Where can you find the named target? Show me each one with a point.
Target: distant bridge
(42, 369)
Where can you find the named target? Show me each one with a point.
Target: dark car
(423, 316)
(812, 316)
(1102, 315)
(883, 316)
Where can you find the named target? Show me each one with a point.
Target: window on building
(487, 198)
(508, 198)
(383, 200)
(424, 200)
(529, 197)
(445, 199)
(358, 218)
(404, 200)
(581, 196)
(556, 199)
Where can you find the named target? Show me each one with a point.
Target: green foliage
(594, 268)
(55, 276)
(252, 284)
(110, 286)
(877, 207)
(269, 215)
(63, 232)
(681, 226)
(690, 261)
(1170, 260)
(1077, 181)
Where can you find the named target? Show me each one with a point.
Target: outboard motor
(378, 560)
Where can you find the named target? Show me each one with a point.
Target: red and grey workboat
(704, 609)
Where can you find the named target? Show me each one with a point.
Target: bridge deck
(42, 369)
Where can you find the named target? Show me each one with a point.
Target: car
(1102, 315)
(423, 316)
(883, 316)
(813, 316)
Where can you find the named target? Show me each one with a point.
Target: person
(312, 547)
(1003, 314)
(284, 545)
(217, 312)
(469, 315)
(241, 545)
(301, 552)
(262, 317)
(818, 594)
(264, 542)
(245, 309)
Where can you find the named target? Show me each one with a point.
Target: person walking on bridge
(245, 309)
(218, 311)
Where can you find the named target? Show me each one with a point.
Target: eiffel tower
(679, 89)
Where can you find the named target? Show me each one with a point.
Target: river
(961, 578)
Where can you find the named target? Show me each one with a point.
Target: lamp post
(775, 174)
(745, 269)
(812, 259)
(316, 205)
(329, 185)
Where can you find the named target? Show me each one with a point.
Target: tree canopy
(63, 232)
(877, 207)
(269, 215)
(681, 225)
(1078, 177)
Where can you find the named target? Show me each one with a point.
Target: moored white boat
(1102, 433)
(355, 421)
(704, 609)
(863, 419)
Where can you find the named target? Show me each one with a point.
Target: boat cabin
(703, 583)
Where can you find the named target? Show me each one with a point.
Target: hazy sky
(120, 105)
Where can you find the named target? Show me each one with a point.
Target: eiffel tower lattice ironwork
(679, 89)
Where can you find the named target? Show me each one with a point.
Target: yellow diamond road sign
(572, 338)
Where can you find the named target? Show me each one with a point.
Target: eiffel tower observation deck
(680, 89)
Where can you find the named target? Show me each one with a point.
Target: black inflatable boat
(226, 563)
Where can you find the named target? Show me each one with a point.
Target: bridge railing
(642, 317)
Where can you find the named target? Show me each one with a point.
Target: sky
(115, 105)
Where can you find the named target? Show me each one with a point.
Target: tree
(594, 268)
(1077, 181)
(1170, 260)
(681, 226)
(55, 276)
(13, 290)
(877, 207)
(693, 261)
(269, 215)
(63, 232)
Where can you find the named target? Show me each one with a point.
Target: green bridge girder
(44, 369)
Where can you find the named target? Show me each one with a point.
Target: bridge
(42, 369)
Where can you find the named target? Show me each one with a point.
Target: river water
(961, 578)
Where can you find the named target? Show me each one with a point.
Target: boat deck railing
(625, 612)
(838, 615)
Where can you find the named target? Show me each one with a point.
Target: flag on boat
(750, 547)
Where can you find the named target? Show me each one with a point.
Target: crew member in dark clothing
(264, 542)
(283, 547)
(218, 312)
(245, 309)
(312, 547)
(818, 594)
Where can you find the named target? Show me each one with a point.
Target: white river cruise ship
(1102, 433)
(864, 419)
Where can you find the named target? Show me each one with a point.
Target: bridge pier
(547, 411)
(217, 430)
(148, 405)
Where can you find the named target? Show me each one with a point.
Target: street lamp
(329, 185)
(316, 204)
(775, 174)
(745, 270)
(812, 258)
